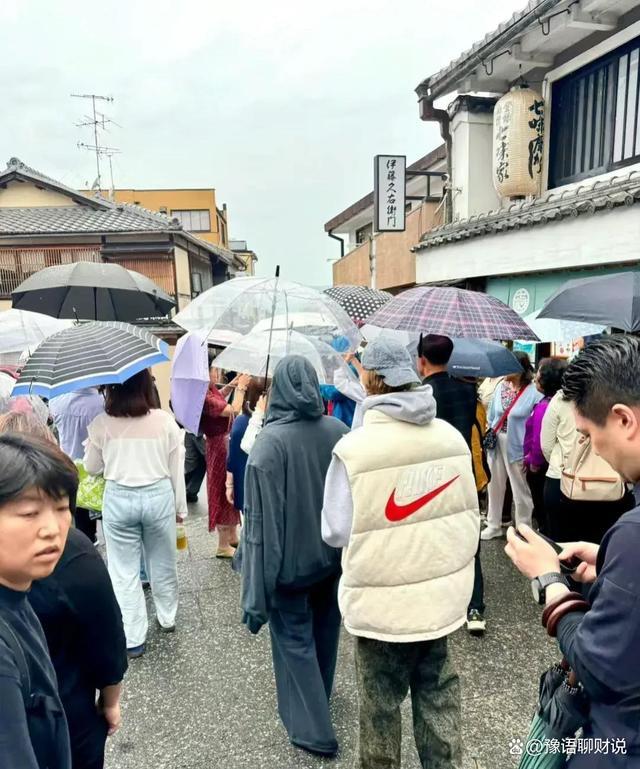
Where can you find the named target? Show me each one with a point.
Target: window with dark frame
(595, 118)
(194, 221)
(364, 233)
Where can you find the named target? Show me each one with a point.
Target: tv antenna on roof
(98, 121)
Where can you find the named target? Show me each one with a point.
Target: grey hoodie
(416, 406)
(283, 551)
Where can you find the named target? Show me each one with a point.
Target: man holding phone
(600, 638)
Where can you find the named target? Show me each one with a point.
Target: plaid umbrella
(359, 302)
(89, 355)
(453, 312)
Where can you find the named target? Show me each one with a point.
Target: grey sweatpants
(386, 672)
(305, 630)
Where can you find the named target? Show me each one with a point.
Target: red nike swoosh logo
(395, 512)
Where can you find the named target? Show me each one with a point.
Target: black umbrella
(92, 291)
(607, 300)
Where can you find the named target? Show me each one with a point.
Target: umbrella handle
(273, 316)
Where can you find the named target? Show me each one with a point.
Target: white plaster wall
(472, 164)
(587, 241)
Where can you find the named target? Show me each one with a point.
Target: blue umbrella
(89, 355)
(480, 358)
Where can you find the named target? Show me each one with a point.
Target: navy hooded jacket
(603, 647)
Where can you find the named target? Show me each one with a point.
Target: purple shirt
(72, 413)
(533, 456)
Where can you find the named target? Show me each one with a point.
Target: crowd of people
(357, 504)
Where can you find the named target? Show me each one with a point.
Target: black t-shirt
(36, 738)
(83, 627)
(456, 402)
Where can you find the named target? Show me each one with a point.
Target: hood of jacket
(416, 406)
(295, 392)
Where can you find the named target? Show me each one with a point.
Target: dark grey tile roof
(501, 31)
(82, 219)
(89, 214)
(17, 169)
(587, 198)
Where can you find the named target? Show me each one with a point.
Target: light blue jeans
(133, 517)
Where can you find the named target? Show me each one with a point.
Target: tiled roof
(435, 156)
(72, 219)
(587, 198)
(17, 169)
(501, 34)
(90, 214)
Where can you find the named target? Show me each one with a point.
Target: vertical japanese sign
(389, 194)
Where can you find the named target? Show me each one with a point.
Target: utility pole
(97, 120)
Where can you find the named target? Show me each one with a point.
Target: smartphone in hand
(567, 567)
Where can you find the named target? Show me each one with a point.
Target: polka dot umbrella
(359, 301)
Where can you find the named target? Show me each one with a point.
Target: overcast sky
(279, 105)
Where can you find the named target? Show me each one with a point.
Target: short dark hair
(606, 372)
(134, 398)
(26, 462)
(550, 373)
(435, 348)
(527, 369)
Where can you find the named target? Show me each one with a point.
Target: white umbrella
(252, 354)
(237, 306)
(22, 330)
(550, 330)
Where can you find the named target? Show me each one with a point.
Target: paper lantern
(518, 142)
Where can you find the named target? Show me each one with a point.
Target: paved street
(205, 698)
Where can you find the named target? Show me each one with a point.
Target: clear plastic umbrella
(227, 312)
(251, 354)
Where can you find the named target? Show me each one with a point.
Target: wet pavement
(204, 697)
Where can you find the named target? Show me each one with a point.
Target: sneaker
(476, 624)
(134, 652)
(490, 533)
(166, 628)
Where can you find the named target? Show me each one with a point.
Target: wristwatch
(540, 584)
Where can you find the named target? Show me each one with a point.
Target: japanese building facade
(582, 61)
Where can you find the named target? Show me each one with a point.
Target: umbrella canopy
(189, 380)
(89, 355)
(249, 354)
(470, 358)
(607, 300)
(359, 302)
(550, 330)
(481, 358)
(21, 330)
(453, 312)
(92, 291)
(227, 312)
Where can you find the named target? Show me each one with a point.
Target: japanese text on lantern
(502, 122)
(389, 193)
(536, 144)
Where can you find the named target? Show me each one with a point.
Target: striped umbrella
(453, 312)
(89, 355)
(359, 302)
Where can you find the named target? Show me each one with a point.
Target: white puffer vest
(409, 567)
